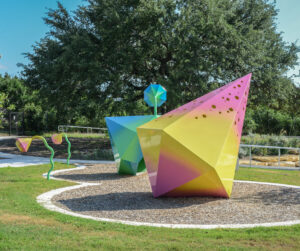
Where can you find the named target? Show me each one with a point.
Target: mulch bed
(79, 147)
(130, 198)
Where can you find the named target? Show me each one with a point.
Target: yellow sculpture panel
(193, 149)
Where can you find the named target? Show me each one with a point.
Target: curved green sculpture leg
(69, 148)
(57, 140)
(52, 153)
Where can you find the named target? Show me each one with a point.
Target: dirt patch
(23, 219)
(82, 148)
(130, 198)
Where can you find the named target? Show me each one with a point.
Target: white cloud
(3, 67)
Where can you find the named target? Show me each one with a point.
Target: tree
(99, 60)
(2, 100)
(16, 97)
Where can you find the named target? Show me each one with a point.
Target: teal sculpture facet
(155, 95)
(125, 143)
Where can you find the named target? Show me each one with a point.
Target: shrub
(263, 120)
(268, 140)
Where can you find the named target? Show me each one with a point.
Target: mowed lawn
(25, 225)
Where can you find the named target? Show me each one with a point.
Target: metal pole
(237, 164)
(9, 123)
(155, 107)
(250, 156)
(278, 157)
(23, 123)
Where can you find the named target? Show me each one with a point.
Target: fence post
(237, 164)
(17, 128)
(9, 123)
(278, 157)
(250, 156)
(23, 123)
(249, 164)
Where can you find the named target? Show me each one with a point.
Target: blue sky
(21, 25)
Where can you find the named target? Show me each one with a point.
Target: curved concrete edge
(45, 201)
(66, 170)
(267, 183)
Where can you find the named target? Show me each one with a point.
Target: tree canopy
(99, 59)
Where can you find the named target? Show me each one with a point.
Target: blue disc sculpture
(155, 95)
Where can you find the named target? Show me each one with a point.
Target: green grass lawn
(269, 175)
(25, 225)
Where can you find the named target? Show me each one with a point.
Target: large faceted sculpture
(192, 150)
(125, 143)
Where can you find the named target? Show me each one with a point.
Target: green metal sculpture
(57, 139)
(23, 145)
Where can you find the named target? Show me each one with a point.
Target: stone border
(45, 201)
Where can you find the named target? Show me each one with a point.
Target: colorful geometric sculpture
(125, 142)
(57, 140)
(155, 95)
(192, 150)
(23, 145)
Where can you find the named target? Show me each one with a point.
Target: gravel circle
(130, 198)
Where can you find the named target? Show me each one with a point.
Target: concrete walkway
(14, 160)
(8, 137)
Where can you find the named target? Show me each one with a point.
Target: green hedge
(268, 140)
(263, 120)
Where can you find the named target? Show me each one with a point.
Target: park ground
(89, 147)
(25, 225)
